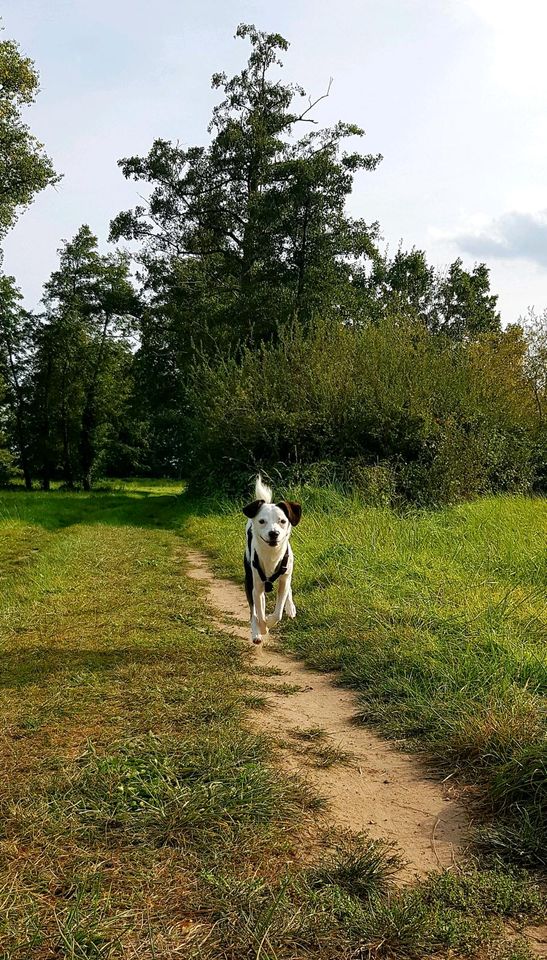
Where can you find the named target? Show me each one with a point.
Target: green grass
(140, 817)
(346, 909)
(439, 621)
(309, 734)
(127, 770)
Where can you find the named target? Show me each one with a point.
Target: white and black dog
(268, 557)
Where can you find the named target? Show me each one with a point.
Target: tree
(15, 352)
(457, 302)
(24, 167)
(252, 227)
(405, 285)
(243, 234)
(90, 308)
(466, 308)
(58, 395)
(7, 466)
(535, 329)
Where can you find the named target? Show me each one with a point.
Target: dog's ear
(252, 509)
(292, 511)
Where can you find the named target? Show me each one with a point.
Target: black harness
(279, 570)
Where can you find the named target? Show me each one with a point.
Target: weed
(362, 867)
(309, 733)
(326, 755)
(284, 689)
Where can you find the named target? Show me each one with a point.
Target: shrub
(392, 411)
(8, 471)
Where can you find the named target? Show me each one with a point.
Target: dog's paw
(271, 620)
(261, 635)
(290, 609)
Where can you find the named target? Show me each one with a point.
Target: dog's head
(273, 522)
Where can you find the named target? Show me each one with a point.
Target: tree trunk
(19, 422)
(87, 446)
(21, 444)
(67, 465)
(248, 243)
(302, 258)
(44, 423)
(87, 453)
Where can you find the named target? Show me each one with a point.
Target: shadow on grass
(57, 510)
(35, 665)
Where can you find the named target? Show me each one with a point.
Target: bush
(8, 470)
(393, 411)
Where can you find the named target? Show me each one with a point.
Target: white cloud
(513, 236)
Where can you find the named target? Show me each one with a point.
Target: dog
(269, 557)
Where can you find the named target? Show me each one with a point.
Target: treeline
(263, 326)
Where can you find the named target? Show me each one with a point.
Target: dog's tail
(262, 492)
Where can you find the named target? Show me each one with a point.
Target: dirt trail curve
(383, 791)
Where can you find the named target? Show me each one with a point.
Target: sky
(452, 93)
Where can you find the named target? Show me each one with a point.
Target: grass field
(439, 620)
(141, 818)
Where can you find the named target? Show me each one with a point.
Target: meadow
(141, 815)
(439, 620)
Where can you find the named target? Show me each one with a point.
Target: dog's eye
(282, 522)
(262, 521)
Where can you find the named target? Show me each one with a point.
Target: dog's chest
(269, 564)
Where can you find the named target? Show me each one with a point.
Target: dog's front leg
(290, 608)
(258, 620)
(282, 596)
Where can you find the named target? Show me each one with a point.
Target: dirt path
(382, 791)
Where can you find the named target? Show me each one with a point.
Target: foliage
(467, 308)
(457, 303)
(24, 167)
(535, 329)
(8, 471)
(393, 409)
(243, 233)
(269, 330)
(15, 352)
(82, 364)
(254, 224)
(7, 466)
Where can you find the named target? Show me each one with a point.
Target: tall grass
(439, 621)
